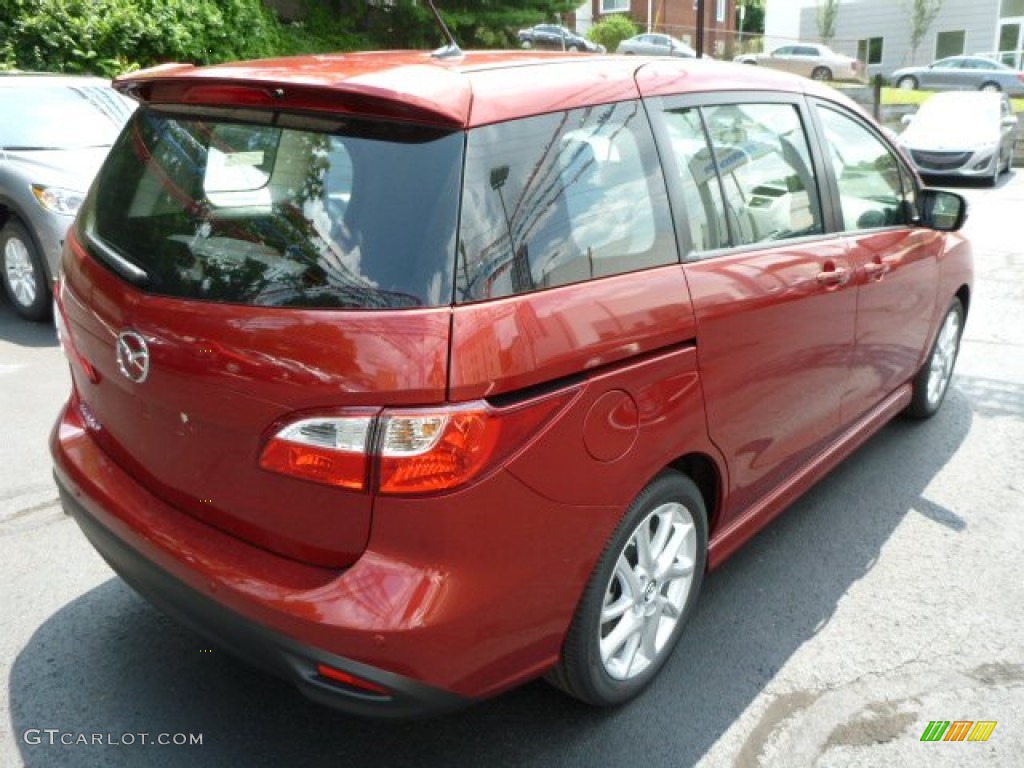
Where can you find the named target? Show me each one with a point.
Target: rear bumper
(254, 604)
(258, 645)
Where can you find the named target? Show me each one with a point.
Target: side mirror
(941, 210)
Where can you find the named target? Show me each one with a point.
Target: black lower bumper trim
(258, 645)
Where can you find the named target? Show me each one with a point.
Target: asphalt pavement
(890, 596)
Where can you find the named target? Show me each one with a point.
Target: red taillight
(330, 450)
(414, 450)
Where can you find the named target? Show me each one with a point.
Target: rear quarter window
(559, 199)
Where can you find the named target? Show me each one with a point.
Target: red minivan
(412, 377)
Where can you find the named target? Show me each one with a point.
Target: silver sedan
(655, 44)
(961, 73)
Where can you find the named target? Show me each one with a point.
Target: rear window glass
(282, 210)
(559, 199)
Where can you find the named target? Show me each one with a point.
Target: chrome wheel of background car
(932, 381)
(821, 73)
(990, 87)
(908, 83)
(23, 275)
(640, 595)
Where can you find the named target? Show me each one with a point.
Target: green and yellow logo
(958, 730)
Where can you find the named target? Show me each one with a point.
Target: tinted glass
(40, 116)
(698, 182)
(768, 179)
(561, 198)
(871, 184)
(282, 210)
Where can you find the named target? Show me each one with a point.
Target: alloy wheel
(940, 369)
(21, 276)
(648, 590)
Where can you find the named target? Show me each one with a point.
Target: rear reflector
(340, 676)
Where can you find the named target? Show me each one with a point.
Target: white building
(878, 31)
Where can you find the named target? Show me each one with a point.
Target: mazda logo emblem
(132, 356)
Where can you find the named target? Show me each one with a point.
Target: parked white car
(962, 133)
(808, 59)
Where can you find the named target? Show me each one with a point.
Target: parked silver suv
(54, 133)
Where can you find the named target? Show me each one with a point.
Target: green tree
(827, 15)
(921, 14)
(107, 37)
(612, 30)
(475, 23)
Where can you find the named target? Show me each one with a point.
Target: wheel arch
(704, 472)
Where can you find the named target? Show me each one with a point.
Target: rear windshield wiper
(127, 269)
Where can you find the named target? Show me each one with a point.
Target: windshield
(66, 117)
(280, 209)
(963, 117)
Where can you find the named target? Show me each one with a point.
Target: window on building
(614, 6)
(870, 50)
(720, 8)
(951, 43)
(1009, 9)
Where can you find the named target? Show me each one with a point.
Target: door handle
(838, 276)
(877, 269)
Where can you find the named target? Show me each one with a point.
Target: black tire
(23, 274)
(990, 86)
(821, 73)
(907, 83)
(582, 671)
(932, 381)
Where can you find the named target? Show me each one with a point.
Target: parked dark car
(553, 37)
(967, 133)
(960, 73)
(54, 133)
(411, 395)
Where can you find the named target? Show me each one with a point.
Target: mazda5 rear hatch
(233, 272)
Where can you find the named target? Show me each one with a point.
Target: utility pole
(700, 29)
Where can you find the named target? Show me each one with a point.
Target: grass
(892, 96)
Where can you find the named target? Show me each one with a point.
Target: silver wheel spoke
(627, 628)
(650, 633)
(668, 608)
(643, 546)
(667, 558)
(614, 610)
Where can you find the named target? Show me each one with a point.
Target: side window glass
(762, 154)
(871, 191)
(559, 199)
(698, 182)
